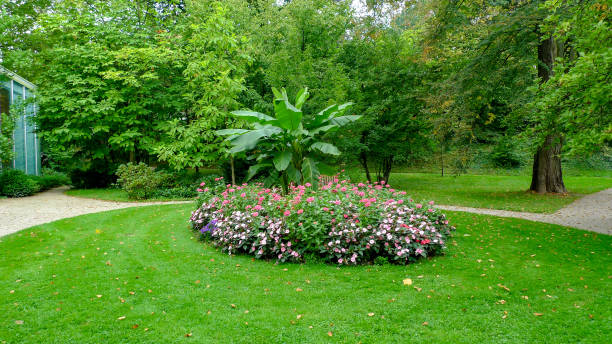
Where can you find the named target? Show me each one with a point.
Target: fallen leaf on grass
(298, 289)
(330, 333)
(188, 335)
(19, 322)
(538, 314)
(407, 281)
(121, 317)
(370, 314)
(425, 323)
(135, 326)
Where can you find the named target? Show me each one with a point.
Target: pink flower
(308, 185)
(257, 207)
(343, 189)
(325, 209)
(287, 213)
(431, 202)
(243, 194)
(300, 211)
(200, 190)
(255, 214)
(202, 184)
(340, 261)
(419, 206)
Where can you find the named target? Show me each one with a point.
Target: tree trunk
(233, 172)
(363, 158)
(386, 169)
(546, 175)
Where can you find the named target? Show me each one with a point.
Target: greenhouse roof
(17, 78)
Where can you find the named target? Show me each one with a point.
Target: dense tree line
(152, 81)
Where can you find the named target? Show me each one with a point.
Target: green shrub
(15, 183)
(51, 179)
(140, 181)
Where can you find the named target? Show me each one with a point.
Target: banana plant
(288, 145)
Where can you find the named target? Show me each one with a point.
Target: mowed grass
(116, 195)
(494, 192)
(141, 276)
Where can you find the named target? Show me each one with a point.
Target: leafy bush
(341, 223)
(15, 183)
(139, 180)
(51, 179)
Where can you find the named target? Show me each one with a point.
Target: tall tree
(507, 39)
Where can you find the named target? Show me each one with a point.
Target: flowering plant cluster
(341, 222)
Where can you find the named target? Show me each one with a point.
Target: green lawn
(495, 192)
(140, 276)
(117, 195)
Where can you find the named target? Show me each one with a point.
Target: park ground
(140, 275)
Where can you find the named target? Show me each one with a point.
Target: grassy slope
(116, 195)
(50, 277)
(495, 192)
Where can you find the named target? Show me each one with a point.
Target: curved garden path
(592, 212)
(20, 213)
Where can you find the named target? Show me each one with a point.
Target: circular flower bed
(341, 222)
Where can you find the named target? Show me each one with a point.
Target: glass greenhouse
(13, 90)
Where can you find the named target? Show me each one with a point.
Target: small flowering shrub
(341, 222)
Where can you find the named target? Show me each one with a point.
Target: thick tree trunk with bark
(546, 174)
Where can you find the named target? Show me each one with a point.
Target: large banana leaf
(252, 116)
(287, 116)
(325, 148)
(249, 140)
(310, 171)
(281, 160)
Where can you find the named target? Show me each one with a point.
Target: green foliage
(139, 180)
(504, 154)
(288, 145)
(15, 183)
(51, 179)
(214, 66)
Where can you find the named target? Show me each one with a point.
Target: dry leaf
(298, 289)
(121, 317)
(19, 322)
(188, 335)
(98, 296)
(330, 333)
(135, 326)
(233, 305)
(407, 281)
(538, 314)
(370, 314)
(425, 323)
(299, 316)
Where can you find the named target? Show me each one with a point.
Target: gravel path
(592, 212)
(19, 213)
